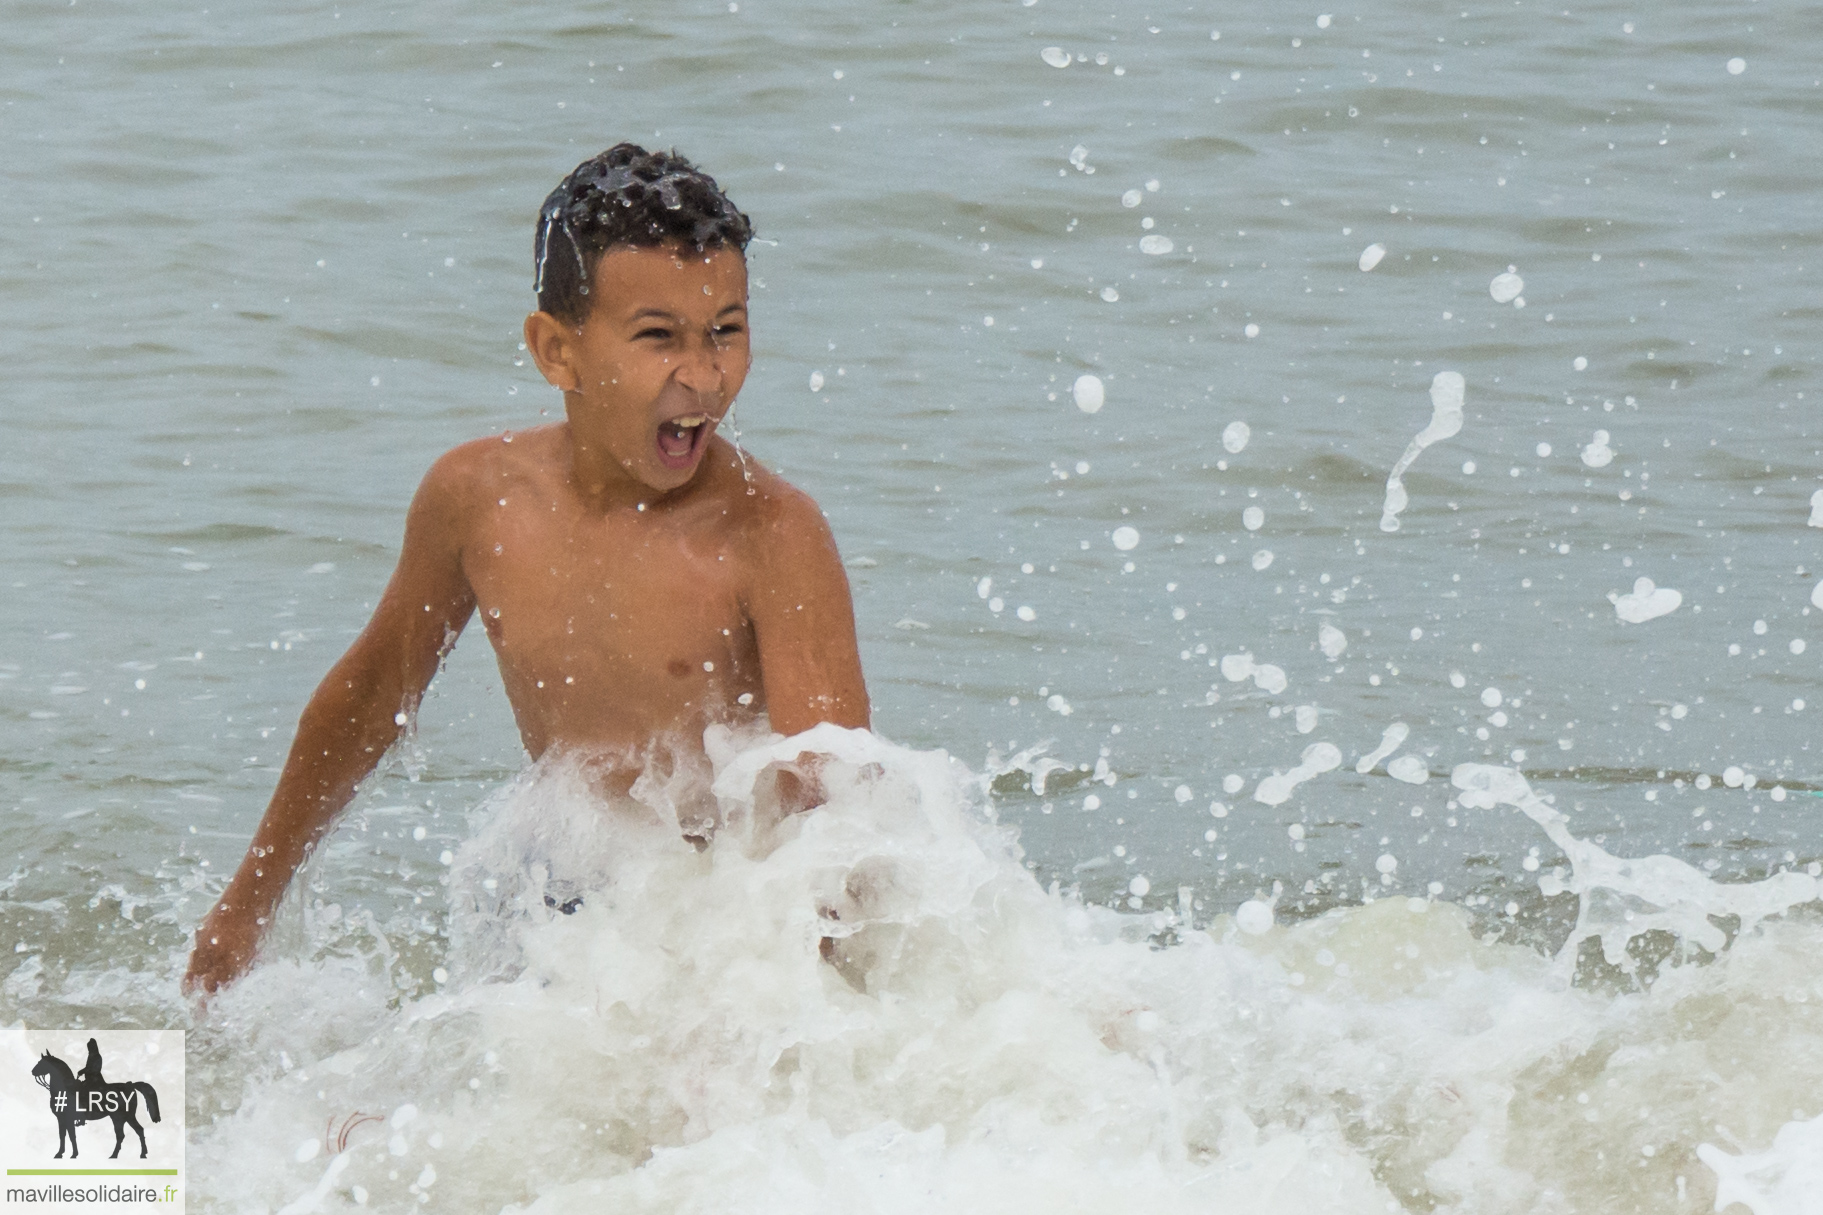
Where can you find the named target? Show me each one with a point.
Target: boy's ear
(552, 345)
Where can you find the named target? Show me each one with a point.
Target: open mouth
(681, 439)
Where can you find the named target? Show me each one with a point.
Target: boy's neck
(601, 480)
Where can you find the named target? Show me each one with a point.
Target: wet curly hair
(625, 196)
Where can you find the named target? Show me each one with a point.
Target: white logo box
(92, 1179)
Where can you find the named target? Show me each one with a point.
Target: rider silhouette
(91, 1070)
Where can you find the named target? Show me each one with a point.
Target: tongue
(674, 440)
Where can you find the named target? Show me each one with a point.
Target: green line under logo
(91, 1172)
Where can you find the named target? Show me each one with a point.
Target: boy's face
(658, 361)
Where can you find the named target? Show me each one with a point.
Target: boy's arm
(804, 620)
(357, 712)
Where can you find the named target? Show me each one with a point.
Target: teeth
(689, 423)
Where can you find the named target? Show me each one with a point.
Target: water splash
(1391, 740)
(1317, 759)
(1622, 898)
(1647, 601)
(1446, 421)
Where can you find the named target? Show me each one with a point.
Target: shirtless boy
(639, 578)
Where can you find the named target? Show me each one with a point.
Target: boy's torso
(613, 627)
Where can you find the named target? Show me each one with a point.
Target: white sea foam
(1318, 758)
(1816, 595)
(1506, 287)
(975, 1042)
(1235, 436)
(1446, 421)
(1155, 244)
(1126, 539)
(1056, 56)
(1786, 1179)
(1646, 601)
(1331, 640)
(1253, 518)
(1391, 740)
(1816, 508)
(1262, 559)
(1370, 256)
(1306, 718)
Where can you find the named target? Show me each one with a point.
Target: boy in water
(639, 578)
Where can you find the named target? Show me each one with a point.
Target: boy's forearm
(342, 734)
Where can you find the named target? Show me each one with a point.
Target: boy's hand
(225, 944)
(800, 787)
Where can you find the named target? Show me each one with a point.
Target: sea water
(1137, 898)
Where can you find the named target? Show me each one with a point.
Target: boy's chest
(581, 601)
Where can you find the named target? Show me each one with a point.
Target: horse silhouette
(74, 1102)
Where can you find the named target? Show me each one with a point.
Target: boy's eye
(655, 331)
(729, 330)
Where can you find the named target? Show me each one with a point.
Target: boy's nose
(700, 370)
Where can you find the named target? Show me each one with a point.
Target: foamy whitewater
(974, 1042)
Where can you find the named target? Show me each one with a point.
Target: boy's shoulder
(511, 456)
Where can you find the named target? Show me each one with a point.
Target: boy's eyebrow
(661, 314)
